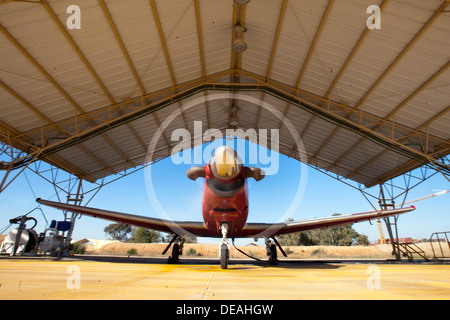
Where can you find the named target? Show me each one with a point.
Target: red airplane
(225, 210)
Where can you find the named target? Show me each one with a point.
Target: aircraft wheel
(273, 255)
(175, 253)
(224, 256)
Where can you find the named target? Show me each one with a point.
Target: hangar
(86, 84)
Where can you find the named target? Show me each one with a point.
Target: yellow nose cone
(224, 163)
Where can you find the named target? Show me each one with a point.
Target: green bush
(78, 248)
(132, 252)
(191, 252)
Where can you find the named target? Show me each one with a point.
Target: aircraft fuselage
(224, 201)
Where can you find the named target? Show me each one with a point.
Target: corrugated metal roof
(368, 104)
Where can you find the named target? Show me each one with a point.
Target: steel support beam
(279, 91)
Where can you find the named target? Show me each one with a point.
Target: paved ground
(202, 279)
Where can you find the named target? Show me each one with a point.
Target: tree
(343, 235)
(141, 235)
(190, 240)
(118, 231)
(338, 236)
(362, 240)
(296, 239)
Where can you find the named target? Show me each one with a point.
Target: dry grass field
(302, 252)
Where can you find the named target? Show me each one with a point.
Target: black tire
(175, 254)
(273, 259)
(224, 256)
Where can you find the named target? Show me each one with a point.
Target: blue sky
(269, 199)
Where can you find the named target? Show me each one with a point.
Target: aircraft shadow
(233, 263)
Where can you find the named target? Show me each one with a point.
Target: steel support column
(386, 205)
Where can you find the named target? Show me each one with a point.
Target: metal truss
(393, 192)
(68, 187)
(390, 195)
(8, 168)
(412, 143)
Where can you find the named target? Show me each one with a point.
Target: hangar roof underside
(368, 105)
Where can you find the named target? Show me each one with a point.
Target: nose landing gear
(224, 249)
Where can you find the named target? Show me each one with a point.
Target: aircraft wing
(178, 227)
(250, 229)
(266, 229)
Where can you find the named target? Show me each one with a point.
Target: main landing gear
(271, 247)
(177, 244)
(177, 249)
(272, 250)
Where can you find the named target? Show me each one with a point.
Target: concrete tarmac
(95, 277)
